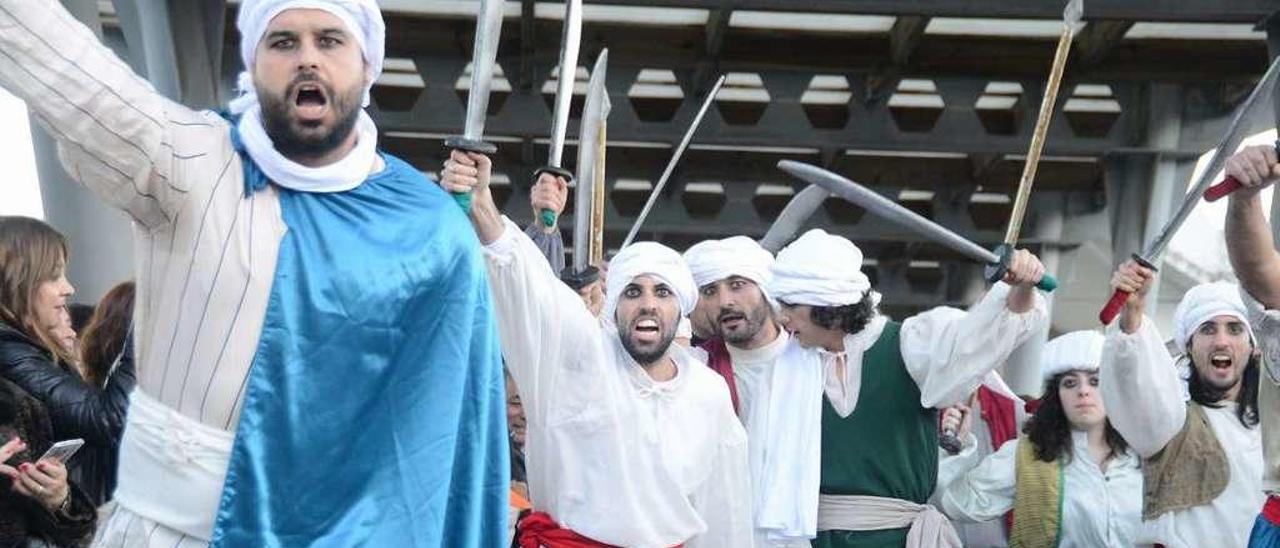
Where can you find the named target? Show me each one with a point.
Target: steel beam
(1199, 11)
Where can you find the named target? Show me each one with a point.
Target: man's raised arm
(111, 126)
(543, 325)
(1253, 254)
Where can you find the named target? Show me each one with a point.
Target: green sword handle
(995, 272)
(468, 145)
(547, 216)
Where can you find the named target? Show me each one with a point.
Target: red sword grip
(1112, 309)
(1220, 190)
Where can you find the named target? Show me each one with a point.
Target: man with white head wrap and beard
(1197, 432)
(746, 341)
(630, 441)
(855, 458)
(299, 294)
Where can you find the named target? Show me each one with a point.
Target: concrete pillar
(101, 238)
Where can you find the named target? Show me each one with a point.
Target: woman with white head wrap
(1070, 480)
(614, 410)
(274, 252)
(1202, 456)
(863, 378)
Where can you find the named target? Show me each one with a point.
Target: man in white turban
(745, 340)
(1202, 457)
(857, 459)
(318, 356)
(630, 440)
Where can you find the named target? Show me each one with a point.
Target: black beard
(293, 145)
(646, 358)
(754, 321)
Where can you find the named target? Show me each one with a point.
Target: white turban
(820, 269)
(1077, 350)
(362, 18)
(714, 260)
(649, 259)
(1203, 303)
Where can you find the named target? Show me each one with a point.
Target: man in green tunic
(853, 422)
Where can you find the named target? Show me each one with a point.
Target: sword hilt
(995, 272)
(1227, 186)
(547, 216)
(950, 442)
(1120, 297)
(468, 145)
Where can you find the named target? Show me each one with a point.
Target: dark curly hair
(1050, 431)
(850, 318)
(1208, 396)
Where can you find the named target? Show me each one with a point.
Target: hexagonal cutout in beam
(655, 95)
(916, 106)
(742, 100)
(1092, 110)
(999, 108)
(770, 200)
(581, 77)
(703, 200)
(399, 86)
(629, 195)
(499, 91)
(826, 101)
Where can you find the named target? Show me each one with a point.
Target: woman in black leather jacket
(33, 294)
(60, 514)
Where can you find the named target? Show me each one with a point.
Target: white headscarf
(820, 269)
(1203, 303)
(651, 259)
(364, 20)
(713, 260)
(1077, 350)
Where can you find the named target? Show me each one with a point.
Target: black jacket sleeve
(77, 409)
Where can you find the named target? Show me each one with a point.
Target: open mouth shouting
(646, 331)
(1221, 362)
(310, 101)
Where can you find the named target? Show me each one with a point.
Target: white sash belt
(929, 528)
(172, 467)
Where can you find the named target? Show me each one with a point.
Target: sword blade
(887, 209)
(570, 39)
(483, 57)
(798, 210)
(1230, 141)
(590, 138)
(1071, 20)
(675, 159)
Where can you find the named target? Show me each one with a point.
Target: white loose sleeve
(984, 492)
(114, 131)
(952, 467)
(544, 327)
(948, 351)
(1141, 388)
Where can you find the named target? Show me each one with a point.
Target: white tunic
(1143, 392)
(1099, 507)
(205, 252)
(611, 454)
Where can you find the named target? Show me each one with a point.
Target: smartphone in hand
(63, 450)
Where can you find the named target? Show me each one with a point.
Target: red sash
(718, 360)
(538, 530)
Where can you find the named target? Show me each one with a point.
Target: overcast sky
(19, 191)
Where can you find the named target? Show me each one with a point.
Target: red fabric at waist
(538, 530)
(1271, 510)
